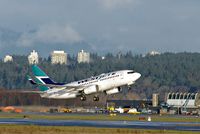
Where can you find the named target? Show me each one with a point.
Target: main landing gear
(95, 98)
(83, 98)
(129, 88)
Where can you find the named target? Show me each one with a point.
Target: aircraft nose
(137, 75)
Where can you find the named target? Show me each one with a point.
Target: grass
(24, 129)
(155, 118)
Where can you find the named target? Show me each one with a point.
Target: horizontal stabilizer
(31, 80)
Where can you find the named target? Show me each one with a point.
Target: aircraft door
(121, 76)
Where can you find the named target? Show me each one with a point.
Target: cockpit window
(131, 72)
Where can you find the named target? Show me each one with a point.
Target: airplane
(109, 83)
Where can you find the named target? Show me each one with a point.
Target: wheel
(95, 98)
(129, 88)
(83, 98)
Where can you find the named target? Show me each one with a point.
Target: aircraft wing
(64, 87)
(59, 88)
(70, 89)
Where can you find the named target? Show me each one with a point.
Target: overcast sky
(100, 25)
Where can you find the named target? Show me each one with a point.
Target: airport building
(58, 57)
(155, 100)
(83, 57)
(8, 58)
(33, 58)
(187, 100)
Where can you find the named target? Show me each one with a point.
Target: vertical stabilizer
(40, 77)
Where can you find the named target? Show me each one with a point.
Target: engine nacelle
(113, 91)
(90, 90)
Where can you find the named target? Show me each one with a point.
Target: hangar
(188, 100)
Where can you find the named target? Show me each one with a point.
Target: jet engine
(113, 91)
(90, 89)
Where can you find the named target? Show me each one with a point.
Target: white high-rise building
(8, 58)
(58, 57)
(83, 57)
(33, 58)
(153, 53)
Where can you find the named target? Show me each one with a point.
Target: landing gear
(95, 98)
(83, 98)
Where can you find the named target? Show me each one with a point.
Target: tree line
(162, 73)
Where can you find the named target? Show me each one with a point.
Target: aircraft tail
(41, 78)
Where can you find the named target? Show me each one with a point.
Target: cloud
(123, 29)
(49, 34)
(112, 4)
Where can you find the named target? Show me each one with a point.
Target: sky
(100, 26)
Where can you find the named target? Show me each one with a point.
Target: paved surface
(191, 126)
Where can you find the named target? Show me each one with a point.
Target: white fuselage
(104, 82)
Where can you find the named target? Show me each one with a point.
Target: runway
(183, 126)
